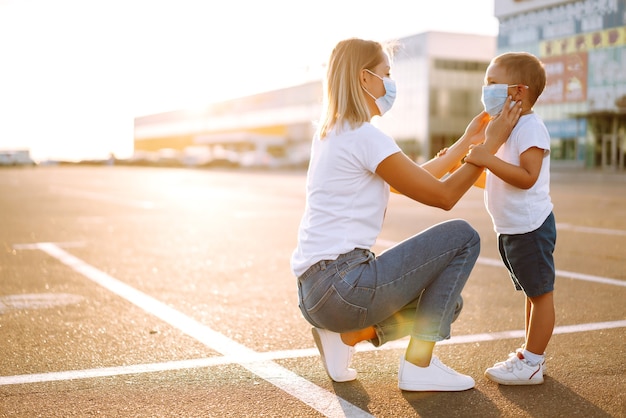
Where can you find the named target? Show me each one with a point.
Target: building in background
(439, 77)
(264, 130)
(583, 46)
(14, 157)
(581, 42)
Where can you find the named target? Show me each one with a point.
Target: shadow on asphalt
(551, 399)
(355, 393)
(471, 403)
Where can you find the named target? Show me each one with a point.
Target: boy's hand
(500, 127)
(478, 155)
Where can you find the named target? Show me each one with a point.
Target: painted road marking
(590, 230)
(317, 398)
(560, 273)
(279, 355)
(141, 204)
(261, 364)
(37, 301)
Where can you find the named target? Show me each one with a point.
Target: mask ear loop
(517, 86)
(366, 90)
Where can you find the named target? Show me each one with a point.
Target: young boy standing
(517, 197)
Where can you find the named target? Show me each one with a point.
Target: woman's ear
(363, 77)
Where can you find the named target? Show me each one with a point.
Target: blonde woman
(347, 293)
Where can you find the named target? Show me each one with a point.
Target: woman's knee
(462, 228)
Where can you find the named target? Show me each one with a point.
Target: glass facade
(583, 46)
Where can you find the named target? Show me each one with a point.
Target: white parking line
(261, 364)
(317, 398)
(141, 204)
(560, 273)
(590, 230)
(279, 355)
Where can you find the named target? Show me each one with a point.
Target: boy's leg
(528, 257)
(526, 327)
(541, 323)
(527, 311)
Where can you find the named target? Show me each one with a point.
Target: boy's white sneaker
(515, 370)
(436, 377)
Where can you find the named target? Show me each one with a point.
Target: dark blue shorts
(529, 258)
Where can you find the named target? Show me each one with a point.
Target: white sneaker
(515, 370)
(436, 377)
(336, 356)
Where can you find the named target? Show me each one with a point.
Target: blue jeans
(413, 288)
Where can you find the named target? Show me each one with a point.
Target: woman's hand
(501, 125)
(475, 131)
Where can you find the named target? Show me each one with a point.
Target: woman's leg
(436, 264)
(414, 288)
(423, 277)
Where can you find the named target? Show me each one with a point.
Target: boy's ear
(520, 92)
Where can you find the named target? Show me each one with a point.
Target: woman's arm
(451, 158)
(415, 182)
(421, 183)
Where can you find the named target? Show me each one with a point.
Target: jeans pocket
(352, 263)
(335, 313)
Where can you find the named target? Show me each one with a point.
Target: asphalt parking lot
(147, 292)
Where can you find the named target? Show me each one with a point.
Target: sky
(75, 73)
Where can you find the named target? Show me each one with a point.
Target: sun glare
(77, 80)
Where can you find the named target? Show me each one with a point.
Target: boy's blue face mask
(494, 96)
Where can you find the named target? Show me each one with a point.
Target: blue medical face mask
(384, 102)
(494, 96)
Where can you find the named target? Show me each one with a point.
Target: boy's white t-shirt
(514, 210)
(346, 199)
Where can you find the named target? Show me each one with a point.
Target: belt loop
(323, 265)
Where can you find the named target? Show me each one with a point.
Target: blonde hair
(524, 68)
(344, 99)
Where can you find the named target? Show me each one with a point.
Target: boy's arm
(523, 176)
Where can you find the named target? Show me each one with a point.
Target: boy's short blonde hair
(524, 68)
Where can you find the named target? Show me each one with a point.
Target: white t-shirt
(514, 210)
(346, 199)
